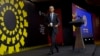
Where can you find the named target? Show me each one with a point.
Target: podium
(79, 44)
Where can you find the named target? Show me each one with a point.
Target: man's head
(51, 9)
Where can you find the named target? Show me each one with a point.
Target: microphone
(42, 14)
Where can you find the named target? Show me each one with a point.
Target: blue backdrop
(86, 29)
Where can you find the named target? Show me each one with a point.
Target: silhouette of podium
(78, 40)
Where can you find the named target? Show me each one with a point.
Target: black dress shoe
(57, 51)
(50, 53)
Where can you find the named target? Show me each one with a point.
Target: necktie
(51, 15)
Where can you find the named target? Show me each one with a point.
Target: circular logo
(13, 24)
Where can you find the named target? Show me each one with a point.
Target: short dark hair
(51, 6)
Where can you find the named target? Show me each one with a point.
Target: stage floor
(64, 51)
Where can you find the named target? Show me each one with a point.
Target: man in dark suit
(53, 23)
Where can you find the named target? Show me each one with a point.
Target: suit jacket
(55, 21)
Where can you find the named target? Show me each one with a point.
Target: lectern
(78, 40)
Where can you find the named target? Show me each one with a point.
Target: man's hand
(50, 25)
(56, 25)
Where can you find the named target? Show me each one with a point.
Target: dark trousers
(53, 41)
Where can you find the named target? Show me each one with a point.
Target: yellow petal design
(2, 2)
(11, 49)
(13, 10)
(21, 25)
(0, 32)
(20, 31)
(17, 36)
(16, 6)
(24, 13)
(3, 37)
(12, 2)
(17, 46)
(21, 4)
(15, 13)
(11, 32)
(13, 40)
(15, 29)
(8, 40)
(16, 17)
(4, 28)
(4, 9)
(25, 23)
(17, 25)
(2, 24)
(2, 13)
(22, 41)
(7, 32)
(3, 49)
(19, 12)
(21, 18)
(7, 1)
(10, 7)
(1, 18)
(25, 33)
